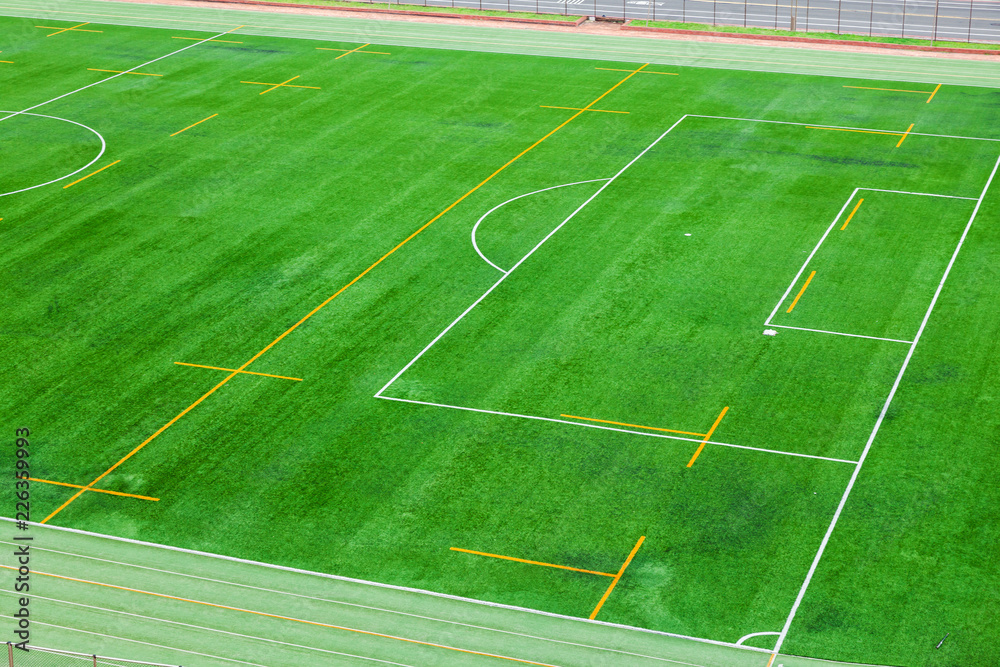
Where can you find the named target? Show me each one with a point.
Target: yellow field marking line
(799, 295)
(708, 436)
(609, 69)
(9, 62)
(279, 85)
(285, 618)
(532, 562)
(771, 661)
(77, 486)
(199, 39)
(190, 126)
(903, 138)
(614, 582)
(544, 106)
(649, 428)
(118, 71)
(233, 370)
(74, 28)
(856, 207)
(91, 174)
(335, 295)
(900, 90)
(381, 53)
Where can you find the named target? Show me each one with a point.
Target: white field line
(918, 194)
(224, 632)
(136, 641)
(839, 333)
(476, 226)
(529, 254)
(739, 642)
(104, 147)
(841, 127)
(352, 604)
(330, 626)
(798, 275)
(97, 83)
(376, 584)
(881, 417)
(610, 428)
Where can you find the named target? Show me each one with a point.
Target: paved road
(978, 20)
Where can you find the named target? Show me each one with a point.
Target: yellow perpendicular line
(336, 294)
(933, 93)
(856, 207)
(531, 562)
(611, 69)
(233, 370)
(91, 174)
(771, 661)
(545, 106)
(60, 30)
(708, 436)
(618, 576)
(279, 85)
(903, 138)
(118, 71)
(199, 39)
(650, 428)
(799, 295)
(190, 126)
(352, 51)
(77, 486)
(283, 618)
(381, 53)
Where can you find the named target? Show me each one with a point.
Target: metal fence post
(714, 3)
(10, 653)
(807, 15)
(937, 4)
(969, 38)
(871, 18)
(745, 2)
(902, 29)
(840, 5)
(775, 14)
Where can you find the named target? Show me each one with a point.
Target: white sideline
(529, 254)
(837, 333)
(136, 641)
(350, 604)
(104, 146)
(105, 80)
(739, 642)
(610, 428)
(376, 584)
(840, 127)
(881, 417)
(919, 194)
(476, 226)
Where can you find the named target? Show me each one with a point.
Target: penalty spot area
(770, 332)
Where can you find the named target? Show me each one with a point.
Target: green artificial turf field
(325, 325)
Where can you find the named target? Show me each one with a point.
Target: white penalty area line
(881, 416)
(619, 430)
(837, 333)
(97, 83)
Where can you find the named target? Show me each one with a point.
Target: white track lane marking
(104, 146)
(881, 417)
(610, 428)
(476, 226)
(838, 333)
(97, 83)
(136, 641)
(353, 604)
(224, 632)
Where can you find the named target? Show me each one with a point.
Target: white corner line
(528, 194)
(841, 127)
(798, 275)
(97, 83)
(742, 639)
(376, 584)
(611, 428)
(526, 256)
(881, 417)
(839, 333)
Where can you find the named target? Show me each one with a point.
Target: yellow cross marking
(358, 50)
(279, 85)
(75, 28)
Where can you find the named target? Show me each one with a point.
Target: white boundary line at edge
(405, 589)
(881, 417)
(619, 430)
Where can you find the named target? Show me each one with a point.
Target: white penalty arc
(475, 227)
(104, 146)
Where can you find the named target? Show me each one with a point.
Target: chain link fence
(50, 657)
